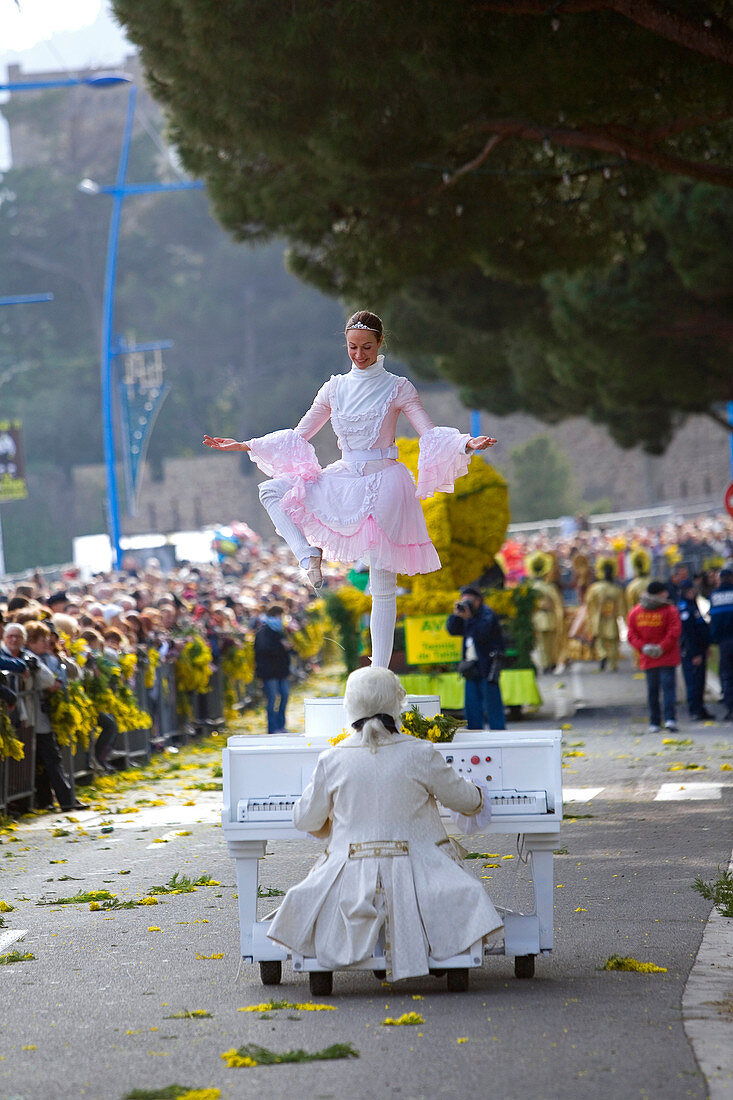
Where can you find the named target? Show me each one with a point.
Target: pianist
(389, 866)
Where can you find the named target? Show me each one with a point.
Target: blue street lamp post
(25, 299)
(118, 192)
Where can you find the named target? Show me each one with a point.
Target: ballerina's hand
(220, 444)
(480, 443)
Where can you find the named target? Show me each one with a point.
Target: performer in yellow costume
(605, 604)
(641, 563)
(549, 614)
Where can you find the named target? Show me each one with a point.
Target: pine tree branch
(679, 125)
(635, 147)
(450, 179)
(706, 34)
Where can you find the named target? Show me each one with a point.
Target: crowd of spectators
(703, 545)
(142, 605)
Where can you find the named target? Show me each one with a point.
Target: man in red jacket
(654, 630)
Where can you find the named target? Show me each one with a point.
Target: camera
(31, 660)
(463, 605)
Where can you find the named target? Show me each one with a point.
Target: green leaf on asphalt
(16, 957)
(192, 1014)
(76, 899)
(265, 1057)
(182, 884)
(626, 962)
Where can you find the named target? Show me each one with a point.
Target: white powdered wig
(371, 692)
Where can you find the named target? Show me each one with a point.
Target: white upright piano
(264, 775)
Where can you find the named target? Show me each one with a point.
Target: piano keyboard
(518, 802)
(279, 807)
(273, 807)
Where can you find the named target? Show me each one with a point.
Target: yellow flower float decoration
(238, 668)
(193, 672)
(467, 527)
(10, 746)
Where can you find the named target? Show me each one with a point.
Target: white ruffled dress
(365, 506)
(389, 867)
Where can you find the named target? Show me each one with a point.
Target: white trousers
(382, 583)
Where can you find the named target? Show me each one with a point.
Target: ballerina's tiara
(360, 324)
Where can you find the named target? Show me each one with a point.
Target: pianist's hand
(325, 830)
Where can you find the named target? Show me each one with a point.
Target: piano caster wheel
(458, 980)
(321, 983)
(524, 966)
(380, 975)
(271, 972)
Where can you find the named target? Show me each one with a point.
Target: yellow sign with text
(427, 642)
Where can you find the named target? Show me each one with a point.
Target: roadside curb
(707, 1005)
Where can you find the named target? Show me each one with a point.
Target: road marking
(204, 812)
(681, 792)
(11, 936)
(580, 794)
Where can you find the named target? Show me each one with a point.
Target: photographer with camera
(45, 682)
(483, 652)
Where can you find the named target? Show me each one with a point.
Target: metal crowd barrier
(19, 785)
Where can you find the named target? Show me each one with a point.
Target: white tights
(271, 493)
(382, 583)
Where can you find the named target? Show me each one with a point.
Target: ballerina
(366, 505)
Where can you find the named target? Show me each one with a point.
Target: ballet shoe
(313, 572)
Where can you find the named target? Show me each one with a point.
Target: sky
(54, 35)
(59, 34)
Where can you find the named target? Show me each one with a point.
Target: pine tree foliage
(541, 191)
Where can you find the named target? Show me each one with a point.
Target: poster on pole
(12, 466)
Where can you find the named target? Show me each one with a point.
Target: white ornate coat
(388, 861)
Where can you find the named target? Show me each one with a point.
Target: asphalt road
(92, 1015)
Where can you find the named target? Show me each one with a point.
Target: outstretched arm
(413, 409)
(220, 444)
